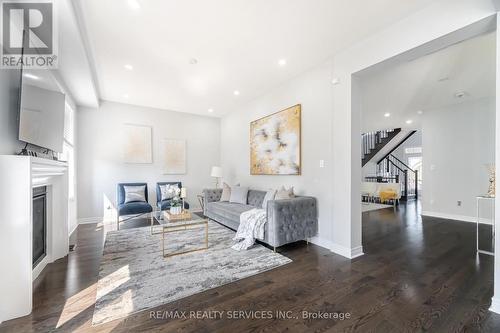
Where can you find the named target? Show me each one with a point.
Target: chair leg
(274, 249)
(118, 223)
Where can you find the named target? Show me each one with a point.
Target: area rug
(134, 276)
(369, 206)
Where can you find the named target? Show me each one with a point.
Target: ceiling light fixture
(210, 110)
(31, 76)
(335, 81)
(129, 67)
(126, 96)
(236, 93)
(134, 4)
(193, 61)
(420, 112)
(409, 121)
(460, 94)
(387, 114)
(282, 62)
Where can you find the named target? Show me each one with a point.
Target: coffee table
(166, 226)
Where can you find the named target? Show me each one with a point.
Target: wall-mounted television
(41, 111)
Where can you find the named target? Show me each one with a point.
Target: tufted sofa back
(255, 197)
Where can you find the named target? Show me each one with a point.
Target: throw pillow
(283, 193)
(226, 192)
(268, 197)
(135, 193)
(168, 191)
(239, 194)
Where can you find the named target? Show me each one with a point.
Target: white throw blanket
(252, 226)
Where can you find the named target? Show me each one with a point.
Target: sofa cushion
(228, 210)
(135, 193)
(256, 198)
(239, 194)
(134, 208)
(226, 192)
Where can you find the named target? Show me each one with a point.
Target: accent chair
(165, 204)
(136, 208)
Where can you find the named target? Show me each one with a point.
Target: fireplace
(39, 224)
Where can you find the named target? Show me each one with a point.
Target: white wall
(313, 91)
(99, 158)
(458, 141)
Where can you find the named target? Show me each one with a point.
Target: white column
(495, 301)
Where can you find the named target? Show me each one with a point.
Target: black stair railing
(391, 166)
(370, 140)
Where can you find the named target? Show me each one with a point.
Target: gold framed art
(275, 143)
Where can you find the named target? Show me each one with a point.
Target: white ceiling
(237, 44)
(428, 83)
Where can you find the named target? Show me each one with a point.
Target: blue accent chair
(136, 208)
(165, 204)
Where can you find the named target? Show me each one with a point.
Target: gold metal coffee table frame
(167, 227)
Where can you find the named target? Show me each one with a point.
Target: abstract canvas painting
(173, 153)
(275, 143)
(137, 147)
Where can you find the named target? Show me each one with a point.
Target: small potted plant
(176, 204)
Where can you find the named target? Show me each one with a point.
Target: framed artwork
(137, 147)
(275, 143)
(173, 153)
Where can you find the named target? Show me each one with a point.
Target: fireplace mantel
(18, 176)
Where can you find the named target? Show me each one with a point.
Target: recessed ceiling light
(134, 4)
(236, 93)
(210, 110)
(126, 96)
(445, 78)
(409, 121)
(193, 61)
(129, 67)
(335, 81)
(282, 62)
(460, 94)
(31, 76)
(387, 114)
(420, 112)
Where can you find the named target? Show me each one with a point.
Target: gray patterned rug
(134, 276)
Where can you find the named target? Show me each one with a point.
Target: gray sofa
(288, 220)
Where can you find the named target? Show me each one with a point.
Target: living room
(203, 171)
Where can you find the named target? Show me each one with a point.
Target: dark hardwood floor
(415, 276)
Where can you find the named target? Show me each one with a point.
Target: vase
(175, 210)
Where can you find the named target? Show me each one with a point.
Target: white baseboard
(349, 253)
(495, 305)
(463, 218)
(74, 229)
(337, 249)
(357, 252)
(324, 243)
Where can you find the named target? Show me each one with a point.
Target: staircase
(373, 142)
(395, 170)
(389, 169)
